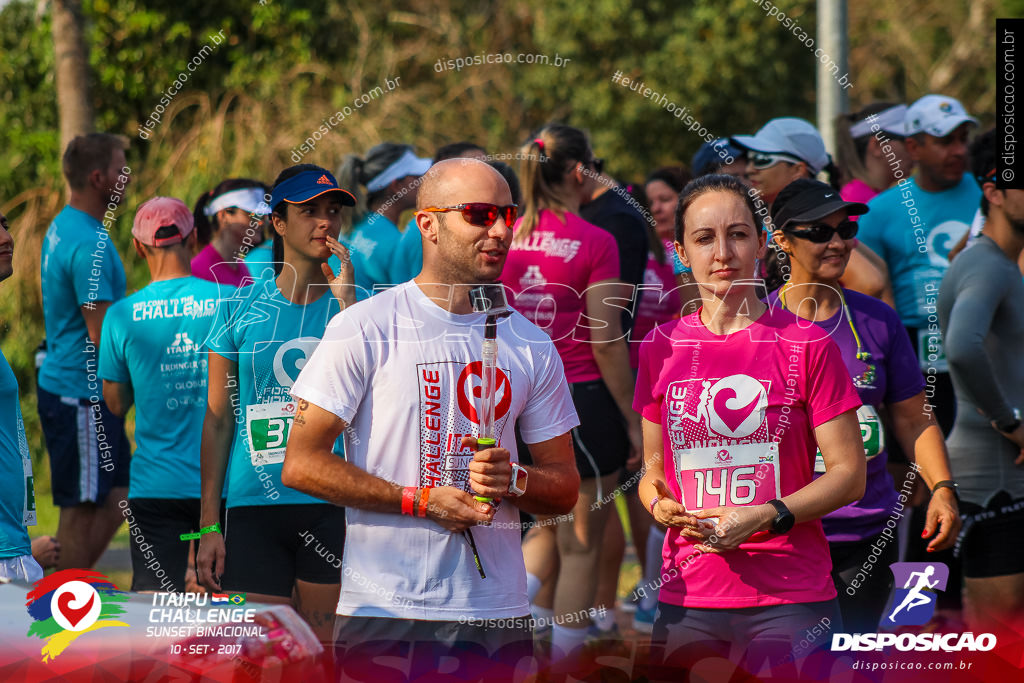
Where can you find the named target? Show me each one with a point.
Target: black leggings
(860, 570)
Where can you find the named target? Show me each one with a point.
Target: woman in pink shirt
(226, 226)
(563, 274)
(735, 399)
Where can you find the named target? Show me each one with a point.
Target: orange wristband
(424, 497)
(408, 502)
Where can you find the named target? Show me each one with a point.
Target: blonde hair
(544, 161)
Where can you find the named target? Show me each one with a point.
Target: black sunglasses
(820, 233)
(481, 214)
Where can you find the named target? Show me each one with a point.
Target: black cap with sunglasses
(805, 201)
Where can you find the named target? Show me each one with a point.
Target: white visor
(890, 120)
(249, 199)
(406, 165)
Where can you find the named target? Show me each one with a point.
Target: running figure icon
(915, 598)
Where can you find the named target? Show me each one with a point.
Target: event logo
(470, 386)
(449, 405)
(291, 357)
(737, 406)
(940, 241)
(71, 602)
(914, 603)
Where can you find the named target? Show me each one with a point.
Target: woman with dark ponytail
(787, 149)
(562, 271)
(226, 230)
(384, 184)
(266, 333)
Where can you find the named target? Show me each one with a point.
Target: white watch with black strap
(517, 484)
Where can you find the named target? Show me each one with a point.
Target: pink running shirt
(548, 275)
(660, 301)
(857, 191)
(738, 412)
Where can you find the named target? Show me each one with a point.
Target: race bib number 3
(872, 431)
(268, 425)
(746, 474)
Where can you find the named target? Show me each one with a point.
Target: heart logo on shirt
(733, 418)
(737, 405)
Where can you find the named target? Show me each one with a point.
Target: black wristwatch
(948, 484)
(784, 519)
(1011, 426)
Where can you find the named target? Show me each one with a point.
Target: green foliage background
(285, 66)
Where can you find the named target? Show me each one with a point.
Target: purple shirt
(897, 378)
(208, 264)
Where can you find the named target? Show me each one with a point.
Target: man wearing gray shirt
(981, 312)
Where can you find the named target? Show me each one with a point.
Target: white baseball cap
(787, 135)
(936, 115)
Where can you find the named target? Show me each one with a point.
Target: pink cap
(158, 212)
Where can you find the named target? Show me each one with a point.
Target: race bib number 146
(746, 474)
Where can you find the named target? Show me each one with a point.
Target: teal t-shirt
(372, 244)
(260, 261)
(270, 338)
(153, 340)
(408, 259)
(79, 265)
(914, 230)
(17, 497)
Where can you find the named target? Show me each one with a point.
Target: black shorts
(159, 556)
(939, 392)
(863, 584)
(484, 649)
(601, 441)
(269, 547)
(989, 543)
(89, 452)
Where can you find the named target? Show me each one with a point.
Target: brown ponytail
(545, 159)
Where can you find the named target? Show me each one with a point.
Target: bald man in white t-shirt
(398, 375)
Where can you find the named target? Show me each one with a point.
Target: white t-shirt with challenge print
(405, 375)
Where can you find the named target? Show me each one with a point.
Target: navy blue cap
(711, 155)
(307, 185)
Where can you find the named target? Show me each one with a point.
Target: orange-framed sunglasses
(481, 214)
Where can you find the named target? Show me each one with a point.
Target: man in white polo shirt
(399, 374)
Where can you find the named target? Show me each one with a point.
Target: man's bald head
(459, 181)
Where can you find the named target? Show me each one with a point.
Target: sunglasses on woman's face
(762, 161)
(820, 233)
(481, 214)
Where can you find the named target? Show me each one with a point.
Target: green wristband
(205, 530)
